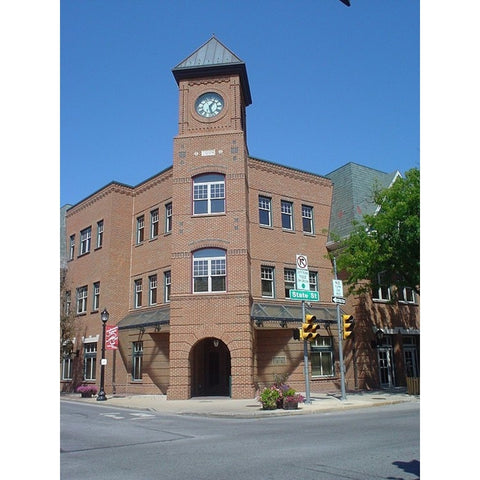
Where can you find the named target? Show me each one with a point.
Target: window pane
(200, 206)
(200, 284)
(218, 284)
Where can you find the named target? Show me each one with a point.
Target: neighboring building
(386, 346)
(195, 263)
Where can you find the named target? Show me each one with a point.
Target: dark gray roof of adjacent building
(353, 189)
(213, 58)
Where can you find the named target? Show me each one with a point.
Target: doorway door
(211, 368)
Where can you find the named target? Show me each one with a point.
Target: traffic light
(348, 324)
(309, 329)
(296, 333)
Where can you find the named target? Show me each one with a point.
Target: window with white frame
(89, 360)
(67, 360)
(265, 211)
(154, 223)
(321, 356)
(100, 234)
(268, 277)
(167, 277)
(82, 294)
(381, 290)
(307, 219)
(209, 194)
(313, 281)
(406, 295)
(168, 218)
(96, 296)
(289, 277)
(85, 240)
(140, 229)
(287, 215)
(72, 247)
(137, 356)
(152, 289)
(138, 286)
(209, 270)
(68, 302)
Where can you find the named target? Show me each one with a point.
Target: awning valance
(150, 318)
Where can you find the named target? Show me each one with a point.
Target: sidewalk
(227, 407)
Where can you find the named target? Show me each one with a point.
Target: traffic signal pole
(305, 361)
(340, 340)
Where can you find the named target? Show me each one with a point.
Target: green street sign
(307, 295)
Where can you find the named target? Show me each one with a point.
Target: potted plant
(291, 399)
(87, 390)
(269, 397)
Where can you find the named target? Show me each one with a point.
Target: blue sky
(330, 84)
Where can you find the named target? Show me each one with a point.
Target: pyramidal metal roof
(213, 58)
(212, 52)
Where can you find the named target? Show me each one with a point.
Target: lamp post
(101, 394)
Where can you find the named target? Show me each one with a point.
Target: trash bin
(413, 385)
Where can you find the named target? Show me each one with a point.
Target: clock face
(209, 104)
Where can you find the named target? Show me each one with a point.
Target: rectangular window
(138, 293)
(96, 296)
(137, 353)
(140, 229)
(68, 302)
(209, 194)
(154, 223)
(381, 291)
(267, 282)
(307, 219)
(407, 295)
(82, 294)
(152, 290)
(168, 285)
(89, 360)
(265, 211)
(100, 234)
(287, 215)
(67, 367)
(289, 276)
(72, 247)
(313, 281)
(168, 218)
(321, 355)
(85, 240)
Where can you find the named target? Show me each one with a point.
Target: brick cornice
(289, 172)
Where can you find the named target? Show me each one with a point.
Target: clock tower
(211, 336)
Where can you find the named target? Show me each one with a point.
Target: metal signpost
(303, 293)
(339, 300)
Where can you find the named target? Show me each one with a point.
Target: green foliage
(387, 242)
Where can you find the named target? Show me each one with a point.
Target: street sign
(339, 300)
(337, 288)
(303, 280)
(307, 295)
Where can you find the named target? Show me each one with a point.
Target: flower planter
(268, 406)
(290, 405)
(86, 394)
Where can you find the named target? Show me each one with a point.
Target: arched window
(209, 194)
(209, 270)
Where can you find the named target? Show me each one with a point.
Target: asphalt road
(114, 443)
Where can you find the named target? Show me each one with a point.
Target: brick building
(194, 264)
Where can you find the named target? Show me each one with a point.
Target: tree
(387, 242)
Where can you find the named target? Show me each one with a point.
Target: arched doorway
(211, 368)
